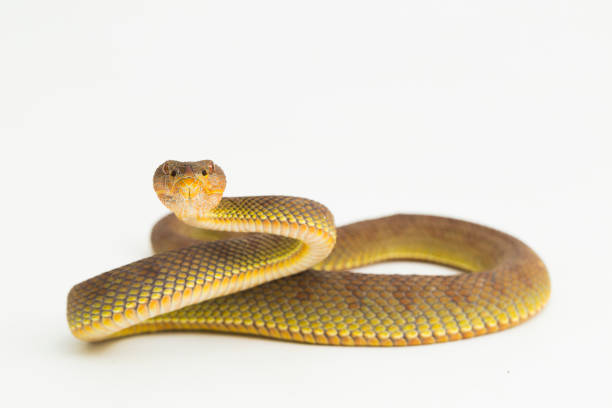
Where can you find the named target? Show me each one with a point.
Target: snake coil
(277, 266)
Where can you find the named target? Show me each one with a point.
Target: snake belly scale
(277, 267)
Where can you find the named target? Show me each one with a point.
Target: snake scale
(277, 267)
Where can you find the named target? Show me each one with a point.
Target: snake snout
(189, 188)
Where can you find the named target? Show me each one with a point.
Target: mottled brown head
(189, 189)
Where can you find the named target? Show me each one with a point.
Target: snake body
(277, 267)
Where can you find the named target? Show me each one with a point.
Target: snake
(277, 267)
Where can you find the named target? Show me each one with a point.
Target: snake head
(189, 189)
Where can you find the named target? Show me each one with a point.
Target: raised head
(189, 189)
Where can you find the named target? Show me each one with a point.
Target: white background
(498, 112)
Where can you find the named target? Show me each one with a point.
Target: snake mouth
(189, 188)
(189, 198)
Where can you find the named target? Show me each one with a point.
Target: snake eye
(173, 173)
(204, 172)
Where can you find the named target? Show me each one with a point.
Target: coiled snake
(232, 265)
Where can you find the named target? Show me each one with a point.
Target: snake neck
(306, 221)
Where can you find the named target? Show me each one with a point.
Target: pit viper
(277, 266)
